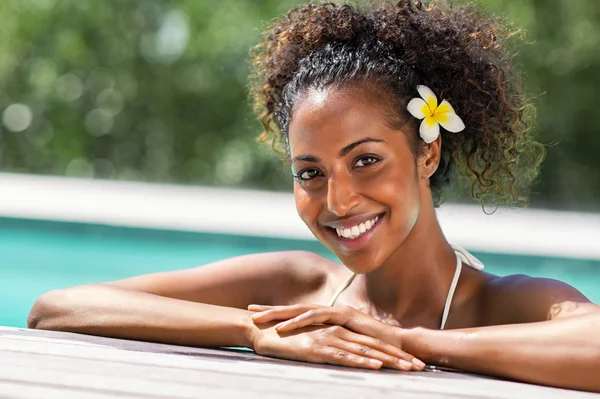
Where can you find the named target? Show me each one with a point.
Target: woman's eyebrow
(305, 158)
(343, 152)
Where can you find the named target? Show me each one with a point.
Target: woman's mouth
(353, 232)
(355, 237)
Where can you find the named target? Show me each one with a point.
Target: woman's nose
(341, 195)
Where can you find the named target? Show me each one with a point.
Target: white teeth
(356, 231)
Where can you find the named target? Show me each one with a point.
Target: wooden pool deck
(39, 364)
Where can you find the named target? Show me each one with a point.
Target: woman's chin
(360, 264)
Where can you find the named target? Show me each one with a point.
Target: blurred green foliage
(155, 90)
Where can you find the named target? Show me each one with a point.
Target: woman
(355, 98)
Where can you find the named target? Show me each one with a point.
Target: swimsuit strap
(467, 257)
(462, 255)
(341, 289)
(451, 292)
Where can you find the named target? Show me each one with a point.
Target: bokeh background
(155, 90)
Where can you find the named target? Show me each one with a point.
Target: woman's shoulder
(520, 298)
(305, 277)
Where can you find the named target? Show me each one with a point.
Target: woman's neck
(413, 284)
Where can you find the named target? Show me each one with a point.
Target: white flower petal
(429, 130)
(415, 107)
(453, 123)
(445, 107)
(429, 96)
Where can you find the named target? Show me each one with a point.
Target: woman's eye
(307, 174)
(366, 161)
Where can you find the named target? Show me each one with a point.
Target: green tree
(155, 90)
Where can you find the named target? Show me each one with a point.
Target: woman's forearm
(120, 313)
(562, 353)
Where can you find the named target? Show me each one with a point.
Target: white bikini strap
(451, 291)
(341, 289)
(467, 257)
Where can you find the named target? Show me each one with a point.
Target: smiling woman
(352, 94)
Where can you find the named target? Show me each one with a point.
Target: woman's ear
(429, 160)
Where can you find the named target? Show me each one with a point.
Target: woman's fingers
(346, 348)
(259, 308)
(270, 313)
(341, 357)
(390, 355)
(334, 316)
(348, 317)
(384, 359)
(262, 308)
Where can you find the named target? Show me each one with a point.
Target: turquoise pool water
(36, 257)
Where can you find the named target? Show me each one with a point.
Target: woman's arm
(555, 342)
(116, 312)
(563, 353)
(201, 306)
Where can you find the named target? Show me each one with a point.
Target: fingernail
(375, 362)
(405, 364)
(418, 363)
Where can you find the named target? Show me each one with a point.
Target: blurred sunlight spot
(42, 135)
(173, 36)
(79, 167)
(235, 163)
(101, 79)
(110, 101)
(69, 87)
(17, 117)
(42, 75)
(99, 122)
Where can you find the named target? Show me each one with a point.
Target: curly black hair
(458, 52)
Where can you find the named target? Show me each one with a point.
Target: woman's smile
(353, 234)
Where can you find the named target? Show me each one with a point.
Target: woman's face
(357, 185)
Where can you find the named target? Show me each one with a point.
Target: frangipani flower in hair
(433, 115)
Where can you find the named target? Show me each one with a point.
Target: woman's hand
(302, 315)
(331, 345)
(353, 332)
